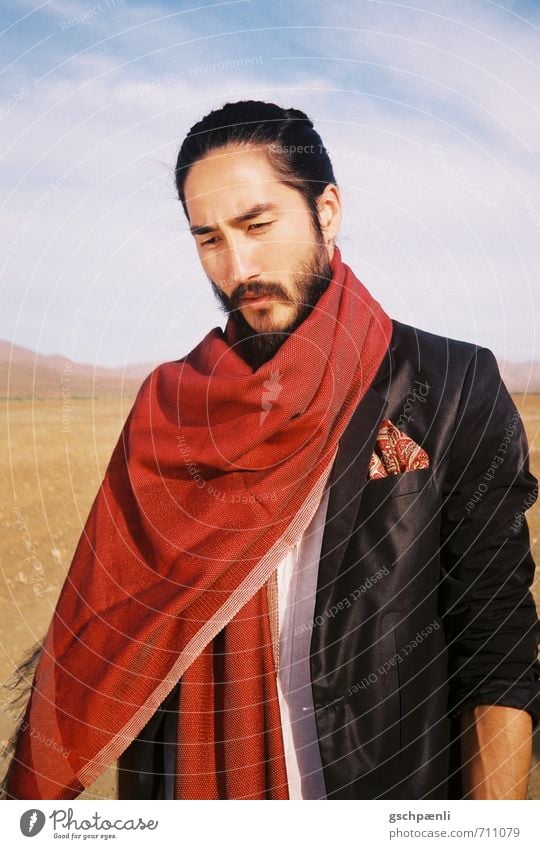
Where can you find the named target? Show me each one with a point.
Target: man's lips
(256, 300)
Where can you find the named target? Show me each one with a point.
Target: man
(306, 573)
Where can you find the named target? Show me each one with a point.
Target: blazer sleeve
(488, 612)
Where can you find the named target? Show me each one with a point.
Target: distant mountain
(23, 373)
(521, 377)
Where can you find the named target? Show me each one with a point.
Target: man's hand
(496, 750)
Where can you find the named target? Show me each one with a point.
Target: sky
(429, 110)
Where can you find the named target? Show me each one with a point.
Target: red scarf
(217, 472)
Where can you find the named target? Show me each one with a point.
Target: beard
(311, 278)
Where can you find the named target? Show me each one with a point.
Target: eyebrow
(201, 229)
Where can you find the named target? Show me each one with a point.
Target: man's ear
(329, 210)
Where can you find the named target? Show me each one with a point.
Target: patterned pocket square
(395, 453)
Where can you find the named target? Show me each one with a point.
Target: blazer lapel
(347, 481)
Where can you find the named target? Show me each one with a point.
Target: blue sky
(429, 110)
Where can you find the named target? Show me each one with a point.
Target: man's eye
(260, 224)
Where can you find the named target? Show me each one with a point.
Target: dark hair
(293, 146)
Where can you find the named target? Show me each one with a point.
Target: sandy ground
(55, 460)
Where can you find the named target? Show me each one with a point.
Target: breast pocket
(395, 485)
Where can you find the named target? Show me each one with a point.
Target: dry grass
(54, 463)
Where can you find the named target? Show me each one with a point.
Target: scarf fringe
(20, 684)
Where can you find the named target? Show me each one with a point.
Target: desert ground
(56, 451)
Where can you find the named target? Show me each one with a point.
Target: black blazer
(423, 605)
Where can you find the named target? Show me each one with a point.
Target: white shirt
(297, 584)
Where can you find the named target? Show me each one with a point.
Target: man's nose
(241, 265)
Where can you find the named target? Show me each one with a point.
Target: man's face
(256, 240)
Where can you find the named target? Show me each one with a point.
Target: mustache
(257, 289)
